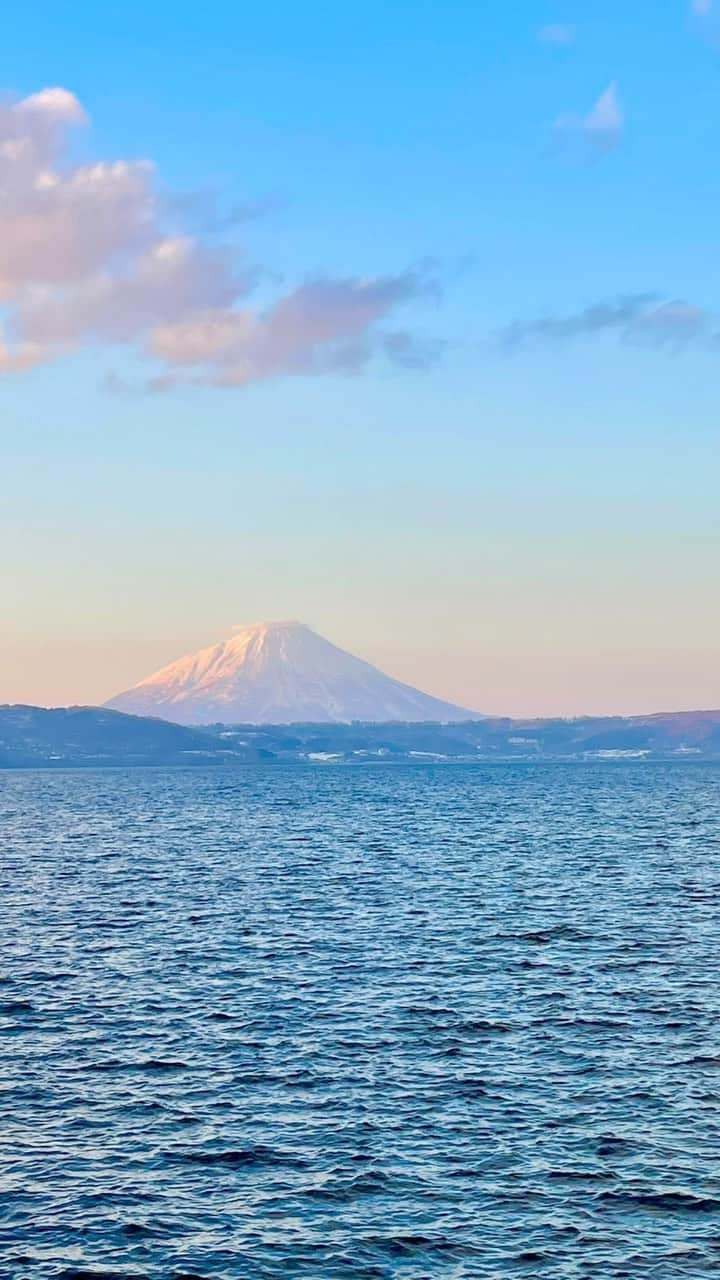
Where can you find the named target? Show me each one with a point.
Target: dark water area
(361, 1023)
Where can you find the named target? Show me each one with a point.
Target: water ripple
(414, 1022)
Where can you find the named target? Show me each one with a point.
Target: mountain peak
(270, 627)
(278, 673)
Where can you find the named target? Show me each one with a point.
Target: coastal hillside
(76, 737)
(672, 736)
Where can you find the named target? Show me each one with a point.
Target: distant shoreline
(87, 737)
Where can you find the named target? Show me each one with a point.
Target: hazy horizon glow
(403, 326)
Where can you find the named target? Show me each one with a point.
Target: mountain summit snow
(278, 673)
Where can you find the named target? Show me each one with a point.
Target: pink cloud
(174, 277)
(86, 257)
(321, 326)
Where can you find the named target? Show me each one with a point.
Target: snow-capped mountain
(278, 673)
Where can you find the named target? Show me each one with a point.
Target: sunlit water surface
(373, 1022)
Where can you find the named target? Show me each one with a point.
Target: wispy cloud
(641, 318)
(705, 16)
(201, 210)
(322, 326)
(560, 33)
(601, 130)
(93, 254)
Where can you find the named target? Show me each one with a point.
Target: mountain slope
(278, 673)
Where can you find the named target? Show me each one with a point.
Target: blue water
(373, 1022)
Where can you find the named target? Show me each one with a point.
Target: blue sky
(528, 527)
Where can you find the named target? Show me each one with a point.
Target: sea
(407, 1021)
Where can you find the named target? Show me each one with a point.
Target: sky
(401, 320)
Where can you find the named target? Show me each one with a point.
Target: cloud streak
(640, 318)
(558, 33)
(88, 255)
(601, 130)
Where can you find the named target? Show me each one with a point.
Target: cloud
(93, 254)
(705, 15)
(173, 277)
(20, 356)
(53, 104)
(601, 130)
(202, 210)
(638, 318)
(560, 33)
(322, 326)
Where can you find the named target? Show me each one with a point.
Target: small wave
(156, 1066)
(374, 1182)
(85, 1273)
(405, 1246)
(664, 1201)
(612, 1146)
(137, 1230)
(579, 1175)
(471, 1087)
(483, 1026)
(543, 937)
(242, 1158)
